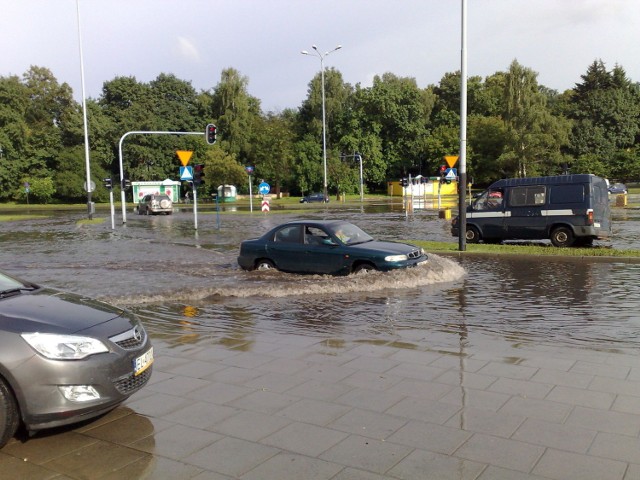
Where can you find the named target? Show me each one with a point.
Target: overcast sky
(196, 39)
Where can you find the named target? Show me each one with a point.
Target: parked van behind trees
(566, 209)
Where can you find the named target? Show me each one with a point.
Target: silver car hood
(52, 311)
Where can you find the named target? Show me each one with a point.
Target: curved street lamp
(321, 56)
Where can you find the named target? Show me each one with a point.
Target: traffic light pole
(195, 207)
(113, 210)
(140, 132)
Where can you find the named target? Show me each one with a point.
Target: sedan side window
(314, 236)
(290, 234)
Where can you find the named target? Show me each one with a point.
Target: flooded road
(186, 283)
(470, 367)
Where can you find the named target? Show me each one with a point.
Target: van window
(527, 196)
(489, 200)
(561, 194)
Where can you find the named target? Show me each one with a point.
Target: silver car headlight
(396, 258)
(64, 347)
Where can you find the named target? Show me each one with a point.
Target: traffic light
(198, 173)
(442, 169)
(126, 184)
(404, 182)
(210, 133)
(108, 183)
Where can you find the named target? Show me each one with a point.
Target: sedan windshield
(349, 234)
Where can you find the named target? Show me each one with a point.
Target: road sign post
(249, 170)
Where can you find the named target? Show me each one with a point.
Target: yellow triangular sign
(184, 156)
(451, 160)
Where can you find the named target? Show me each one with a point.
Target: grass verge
(528, 249)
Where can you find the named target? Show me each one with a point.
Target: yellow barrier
(445, 213)
(621, 200)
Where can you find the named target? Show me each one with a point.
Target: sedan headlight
(64, 347)
(396, 258)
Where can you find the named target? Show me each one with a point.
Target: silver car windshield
(8, 283)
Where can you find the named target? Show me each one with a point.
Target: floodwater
(187, 287)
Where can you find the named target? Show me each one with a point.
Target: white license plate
(144, 361)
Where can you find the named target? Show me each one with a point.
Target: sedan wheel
(364, 268)
(265, 264)
(8, 414)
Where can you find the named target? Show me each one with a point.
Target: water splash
(274, 284)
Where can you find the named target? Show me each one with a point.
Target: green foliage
(534, 137)
(41, 190)
(516, 127)
(221, 168)
(274, 150)
(606, 110)
(234, 111)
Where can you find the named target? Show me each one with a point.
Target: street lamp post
(321, 56)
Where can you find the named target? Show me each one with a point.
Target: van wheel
(562, 237)
(473, 235)
(8, 414)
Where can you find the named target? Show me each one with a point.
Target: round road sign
(264, 188)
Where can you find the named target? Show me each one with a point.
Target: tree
(307, 167)
(487, 140)
(165, 104)
(606, 110)
(308, 122)
(221, 168)
(534, 136)
(397, 111)
(14, 100)
(235, 112)
(274, 146)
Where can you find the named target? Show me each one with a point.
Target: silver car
(154, 203)
(64, 358)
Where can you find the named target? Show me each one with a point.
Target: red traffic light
(211, 133)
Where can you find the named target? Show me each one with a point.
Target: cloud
(186, 49)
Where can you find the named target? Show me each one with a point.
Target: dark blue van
(566, 209)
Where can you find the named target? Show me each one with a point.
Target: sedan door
(323, 256)
(287, 249)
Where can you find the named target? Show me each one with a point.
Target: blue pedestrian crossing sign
(451, 173)
(186, 173)
(264, 188)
